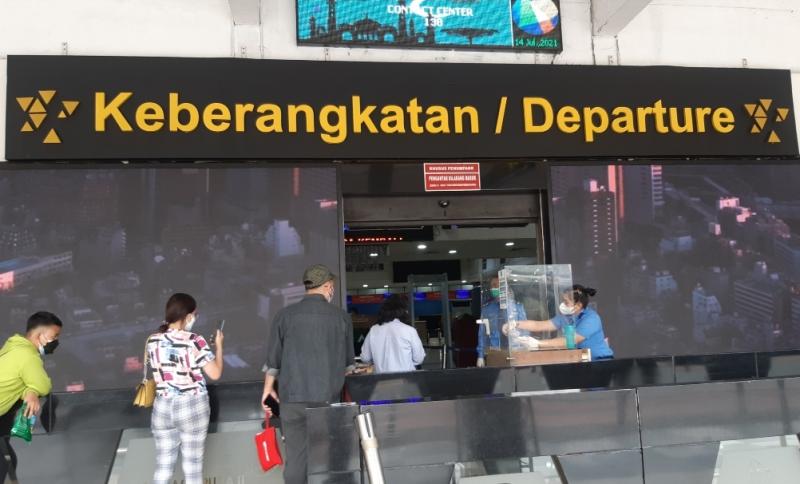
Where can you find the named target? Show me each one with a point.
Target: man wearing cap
(309, 351)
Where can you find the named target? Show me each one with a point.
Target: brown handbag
(146, 390)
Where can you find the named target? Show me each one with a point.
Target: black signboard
(533, 25)
(65, 107)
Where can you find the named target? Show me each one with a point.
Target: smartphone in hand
(273, 405)
(220, 327)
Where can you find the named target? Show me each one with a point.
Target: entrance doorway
(437, 251)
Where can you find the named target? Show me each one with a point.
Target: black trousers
(293, 426)
(294, 429)
(6, 421)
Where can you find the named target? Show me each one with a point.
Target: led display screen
(686, 259)
(104, 248)
(468, 24)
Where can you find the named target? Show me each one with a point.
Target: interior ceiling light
(452, 251)
(422, 247)
(509, 244)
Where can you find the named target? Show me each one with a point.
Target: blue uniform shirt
(496, 317)
(588, 325)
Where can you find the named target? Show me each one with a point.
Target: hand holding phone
(271, 405)
(218, 336)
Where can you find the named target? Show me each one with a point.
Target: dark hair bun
(178, 307)
(590, 291)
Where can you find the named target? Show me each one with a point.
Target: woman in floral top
(181, 411)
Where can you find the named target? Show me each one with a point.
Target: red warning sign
(452, 177)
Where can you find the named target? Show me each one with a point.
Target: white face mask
(189, 323)
(566, 310)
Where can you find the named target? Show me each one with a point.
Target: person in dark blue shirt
(496, 317)
(574, 309)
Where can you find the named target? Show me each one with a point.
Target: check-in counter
(500, 358)
(610, 374)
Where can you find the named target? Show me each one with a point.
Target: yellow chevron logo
(41, 106)
(765, 119)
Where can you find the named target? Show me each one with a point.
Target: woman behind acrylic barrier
(574, 309)
(181, 411)
(393, 345)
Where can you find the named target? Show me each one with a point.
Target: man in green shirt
(22, 375)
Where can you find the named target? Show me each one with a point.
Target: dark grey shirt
(309, 350)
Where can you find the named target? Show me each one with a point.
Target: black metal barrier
(114, 410)
(662, 418)
(659, 418)
(609, 374)
(85, 430)
(654, 434)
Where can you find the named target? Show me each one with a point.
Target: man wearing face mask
(491, 312)
(309, 352)
(22, 374)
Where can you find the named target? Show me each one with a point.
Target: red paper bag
(269, 454)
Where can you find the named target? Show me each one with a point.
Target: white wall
(715, 33)
(116, 27)
(681, 32)
(2, 109)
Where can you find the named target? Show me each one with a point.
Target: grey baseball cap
(317, 275)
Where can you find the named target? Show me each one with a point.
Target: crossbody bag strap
(146, 360)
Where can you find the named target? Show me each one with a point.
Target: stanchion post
(369, 445)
